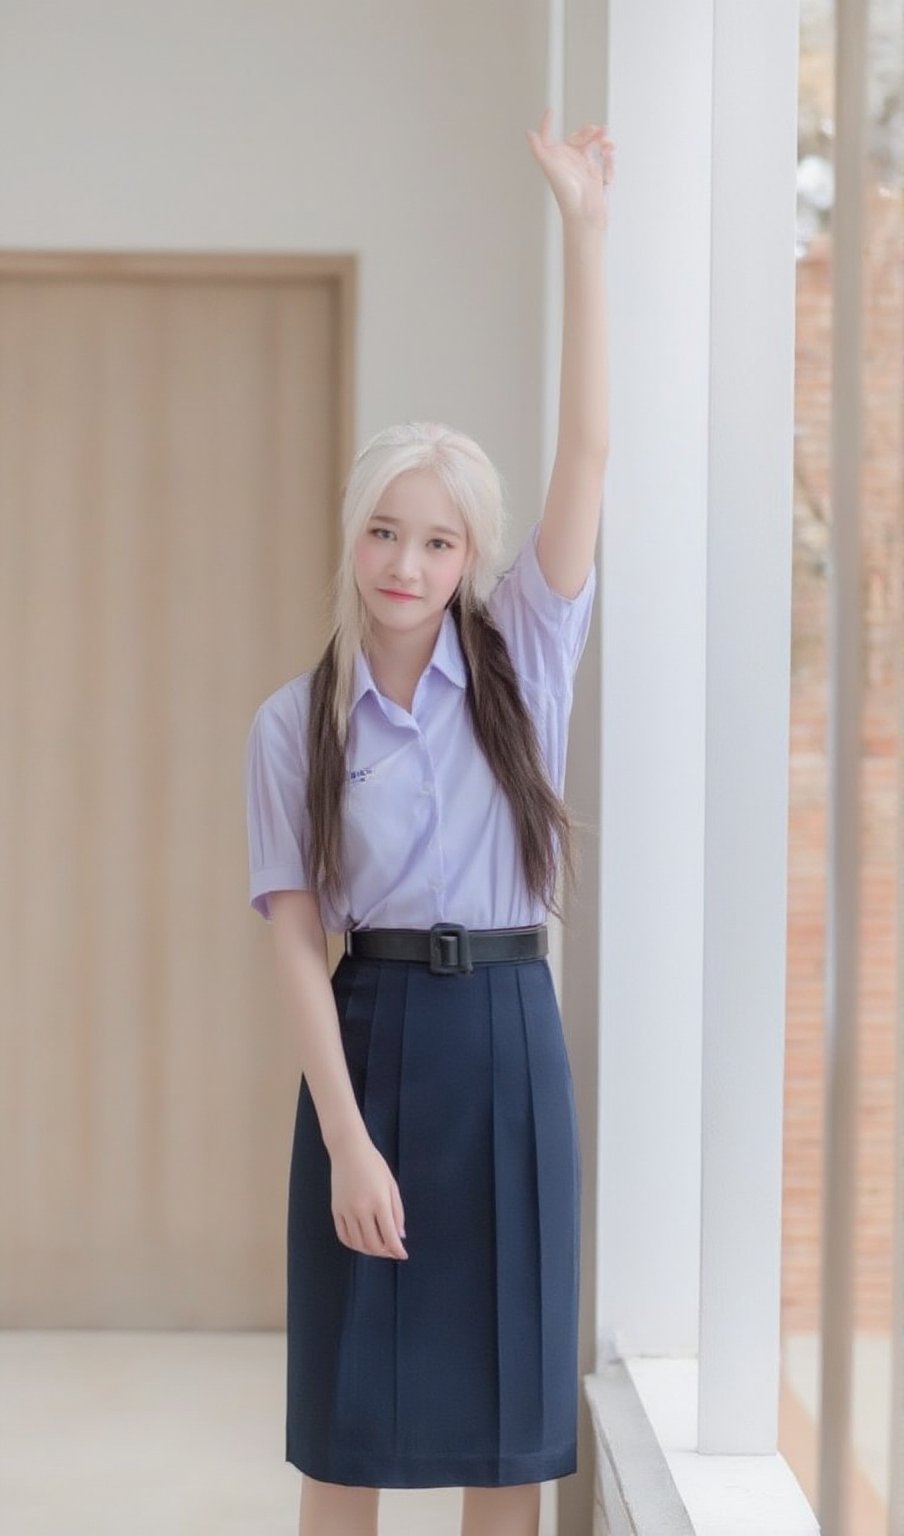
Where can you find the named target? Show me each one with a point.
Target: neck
(397, 661)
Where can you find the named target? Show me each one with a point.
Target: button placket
(428, 788)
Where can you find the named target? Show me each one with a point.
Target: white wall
(395, 130)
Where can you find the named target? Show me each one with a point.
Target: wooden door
(174, 433)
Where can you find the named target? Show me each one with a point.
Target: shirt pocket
(379, 828)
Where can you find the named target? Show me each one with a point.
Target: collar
(447, 658)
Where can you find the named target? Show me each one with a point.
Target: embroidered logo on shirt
(357, 775)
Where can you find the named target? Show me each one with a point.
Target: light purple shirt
(429, 833)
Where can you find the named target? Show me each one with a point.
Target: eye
(432, 541)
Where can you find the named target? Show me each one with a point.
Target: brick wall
(882, 729)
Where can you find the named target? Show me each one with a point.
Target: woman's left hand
(579, 179)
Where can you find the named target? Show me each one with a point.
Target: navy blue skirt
(457, 1366)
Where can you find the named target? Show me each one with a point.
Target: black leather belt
(448, 948)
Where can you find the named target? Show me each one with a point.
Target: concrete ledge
(635, 1493)
(650, 1480)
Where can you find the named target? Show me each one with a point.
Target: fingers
(369, 1216)
(373, 1237)
(365, 1234)
(541, 140)
(348, 1230)
(581, 135)
(387, 1238)
(398, 1211)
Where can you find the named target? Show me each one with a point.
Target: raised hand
(579, 169)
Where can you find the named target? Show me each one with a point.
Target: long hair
(502, 724)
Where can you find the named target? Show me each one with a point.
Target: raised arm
(570, 525)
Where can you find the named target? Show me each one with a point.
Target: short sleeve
(275, 797)
(545, 632)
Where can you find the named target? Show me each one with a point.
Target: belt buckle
(443, 938)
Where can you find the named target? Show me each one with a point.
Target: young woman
(406, 790)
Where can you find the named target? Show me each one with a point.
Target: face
(415, 542)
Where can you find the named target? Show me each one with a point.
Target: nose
(404, 566)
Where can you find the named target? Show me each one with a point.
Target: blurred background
(876, 1301)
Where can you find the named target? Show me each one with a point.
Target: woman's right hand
(366, 1204)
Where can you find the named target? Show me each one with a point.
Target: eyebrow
(437, 527)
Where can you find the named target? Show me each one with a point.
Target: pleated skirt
(457, 1366)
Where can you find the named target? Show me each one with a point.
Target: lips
(404, 597)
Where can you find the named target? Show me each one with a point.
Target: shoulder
(287, 707)
(277, 735)
(545, 631)
(525, 575)
(276, 779)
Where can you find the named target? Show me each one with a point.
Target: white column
(695, 642)
(748, 645)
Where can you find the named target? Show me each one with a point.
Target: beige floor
(103, 1433)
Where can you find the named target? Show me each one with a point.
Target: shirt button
(426, 789)
(436, 885)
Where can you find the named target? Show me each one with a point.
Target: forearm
(584, 390)
(306, 986)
